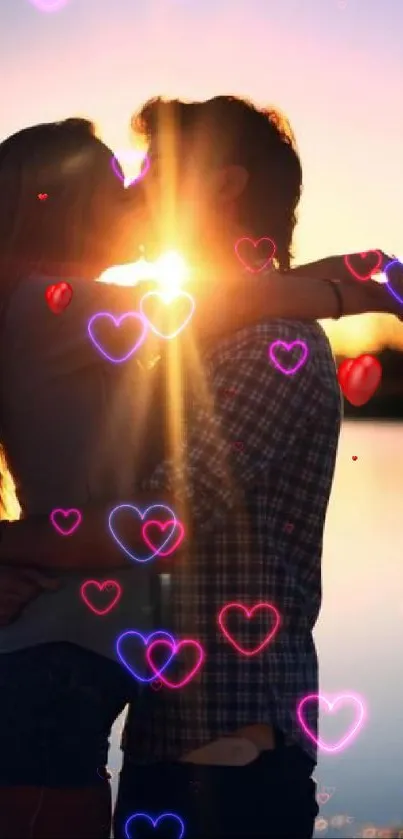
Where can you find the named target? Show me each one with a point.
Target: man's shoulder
(251, 338)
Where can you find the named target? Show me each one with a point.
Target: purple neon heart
(154, 822)
(145, 639)
(388, 284)
(134, 509)
(117, 322)
(277, 344)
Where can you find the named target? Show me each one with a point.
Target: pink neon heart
(66, 514)
(181, 294)
(288, 347)
(101, 586)
(315, 697)
(175, 647)
(255, 243)
(322, 798)
(249, 614)
(130, 156)
(162, 526)
(365, 274)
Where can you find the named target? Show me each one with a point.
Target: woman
(72, 433)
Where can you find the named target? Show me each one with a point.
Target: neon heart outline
(160, 295)
(116, 322)
(288, 347)
(363, 254)
(162, 526)
(255, 243)
(321, 698)
(142, 516)
(115, 161)
(388, 285)
(176, 646)
(154, 822)
(249, 612)
(66, 513)
(145, 639)
(100, 586)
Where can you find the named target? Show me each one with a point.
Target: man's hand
(18, 587)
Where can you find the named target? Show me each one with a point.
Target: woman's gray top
(71, 424)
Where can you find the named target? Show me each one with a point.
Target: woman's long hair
(63, 211)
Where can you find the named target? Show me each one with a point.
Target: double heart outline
(142, 517)
(145, 639)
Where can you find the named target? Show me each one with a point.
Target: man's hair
(230, 130)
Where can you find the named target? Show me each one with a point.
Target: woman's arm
(34, 541)
(297, 295)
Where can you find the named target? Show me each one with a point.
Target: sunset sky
(335, 67)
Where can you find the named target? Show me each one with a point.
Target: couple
(225, 755)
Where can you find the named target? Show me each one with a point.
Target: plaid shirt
(257, 513)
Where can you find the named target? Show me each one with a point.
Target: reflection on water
(360, 631)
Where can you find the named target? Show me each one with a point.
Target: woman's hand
(18, 587)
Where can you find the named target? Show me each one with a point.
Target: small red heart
(43, 196)
(354, 457)
(359, 378)
(58, 297)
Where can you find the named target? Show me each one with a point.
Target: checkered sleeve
(242, 421)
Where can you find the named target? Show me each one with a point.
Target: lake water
(360, 633)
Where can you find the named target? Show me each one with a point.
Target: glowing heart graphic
(43, 196)
(155, 823)
(365, 269)
(282, 345)
(112, 589)
(63, 528)
(162, 526)
(359, 378)
(176, 647)
(132, 509)
(325, 794)
(346, 698)
(249, 613)
(58, 297)
(269, 249)
(131, 157)
(48, 5)
(145, 639)
(183, 295)
(394, 267)
(135, 321)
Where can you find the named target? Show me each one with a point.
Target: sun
(170, 271)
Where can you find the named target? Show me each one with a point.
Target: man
(226, 753)
(256, 476)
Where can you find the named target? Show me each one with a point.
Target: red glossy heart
(359, 378)
(58, 296)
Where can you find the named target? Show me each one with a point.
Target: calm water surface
(360, 631)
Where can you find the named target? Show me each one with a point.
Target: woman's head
(60, 200)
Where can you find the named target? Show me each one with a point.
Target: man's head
(220, 170)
